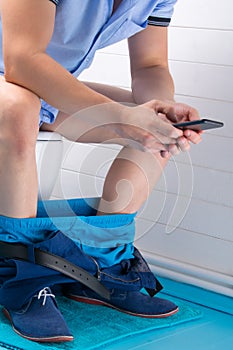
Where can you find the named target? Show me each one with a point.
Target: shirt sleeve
(161, 16)
(56, 2)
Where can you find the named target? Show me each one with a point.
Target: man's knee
(19, 122)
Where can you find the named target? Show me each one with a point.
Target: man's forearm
(152, 83)
(51, 82)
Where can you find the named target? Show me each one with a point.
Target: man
(46, 44)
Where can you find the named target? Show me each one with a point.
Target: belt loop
(31, 253)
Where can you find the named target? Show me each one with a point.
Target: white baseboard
(190, 274)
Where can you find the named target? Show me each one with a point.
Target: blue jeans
(102, 246)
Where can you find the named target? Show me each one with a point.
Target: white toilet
(49, 149)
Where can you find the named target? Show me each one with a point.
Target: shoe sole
(57, 339)
(99, 302)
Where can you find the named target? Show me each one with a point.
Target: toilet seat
(48, 136)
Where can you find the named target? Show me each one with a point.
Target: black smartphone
(198, 125)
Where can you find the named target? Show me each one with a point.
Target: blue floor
(213, 331)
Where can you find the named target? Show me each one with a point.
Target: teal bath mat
(94, 326)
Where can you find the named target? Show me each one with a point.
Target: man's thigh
(76, 128)
(13, 93)
(19, 108)
(79, 128)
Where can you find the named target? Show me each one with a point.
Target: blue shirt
(83, 27)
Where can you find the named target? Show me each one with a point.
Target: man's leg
(19, 113)
(19, 125)
(131, 178)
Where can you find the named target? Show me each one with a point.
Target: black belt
(55, 262)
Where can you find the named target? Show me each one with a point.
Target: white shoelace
(44, 293)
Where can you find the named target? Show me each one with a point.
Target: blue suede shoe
(40, 320)
(131, 302)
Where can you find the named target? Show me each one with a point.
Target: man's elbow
(15, 65)
(11, 67)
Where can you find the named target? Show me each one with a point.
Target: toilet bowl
(49, 148)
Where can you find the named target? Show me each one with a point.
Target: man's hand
(177, 113)
(150, 126)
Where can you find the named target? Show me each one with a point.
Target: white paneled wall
(195, 194)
